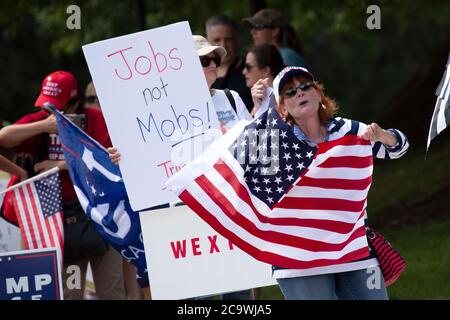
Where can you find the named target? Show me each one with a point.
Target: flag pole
(39, 176)
(147, 293)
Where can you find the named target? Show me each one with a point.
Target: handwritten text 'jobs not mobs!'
(160, 126)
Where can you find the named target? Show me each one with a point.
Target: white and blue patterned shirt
(337, 128)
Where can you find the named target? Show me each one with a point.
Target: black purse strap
(230, 98)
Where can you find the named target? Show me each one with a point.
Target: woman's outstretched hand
(374, 132)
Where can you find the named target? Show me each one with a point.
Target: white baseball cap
(204, 47)
(286, 74)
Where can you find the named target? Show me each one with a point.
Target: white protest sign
(156, 104)
(4, 179)
(187, 258)
(10, 238)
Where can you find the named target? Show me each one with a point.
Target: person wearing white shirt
(210, 59)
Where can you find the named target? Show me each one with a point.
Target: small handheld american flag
(38, 205)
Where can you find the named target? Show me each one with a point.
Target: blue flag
(101, 192)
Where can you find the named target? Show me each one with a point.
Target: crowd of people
(237, 86)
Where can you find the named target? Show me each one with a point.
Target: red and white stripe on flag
(318, 222)
(39, 219)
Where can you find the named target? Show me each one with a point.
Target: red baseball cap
(58, 88)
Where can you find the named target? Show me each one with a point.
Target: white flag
(441, 115)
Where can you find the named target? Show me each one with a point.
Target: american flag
(441, 115)
(280, 200)
(38, 205)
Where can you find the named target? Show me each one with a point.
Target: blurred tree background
(387, 75)
(363, 69)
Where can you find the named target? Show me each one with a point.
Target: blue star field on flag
(271, 156)
(49, 194)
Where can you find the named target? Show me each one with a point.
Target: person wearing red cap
(36, 142)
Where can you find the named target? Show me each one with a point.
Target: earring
(322, 105)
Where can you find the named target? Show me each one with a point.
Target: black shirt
(235, 80)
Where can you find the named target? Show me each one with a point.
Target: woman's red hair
(330, 104)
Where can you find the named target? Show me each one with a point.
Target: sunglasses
(91, 99)
(260, 26)
(206, 61)
(304, 86)
(248, 66)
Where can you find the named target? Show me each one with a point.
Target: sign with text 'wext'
(30, 275)
(186, 258)
(156, 104)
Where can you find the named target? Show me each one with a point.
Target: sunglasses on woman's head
(248, 66)
(206, 61)
(261, 26)
(304, 86)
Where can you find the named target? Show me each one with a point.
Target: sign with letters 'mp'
(30, 275)
(187, 258)
(156, 104)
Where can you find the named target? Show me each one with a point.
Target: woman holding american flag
(328, 202)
